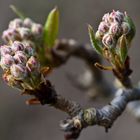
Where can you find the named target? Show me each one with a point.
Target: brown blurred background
(21, 122)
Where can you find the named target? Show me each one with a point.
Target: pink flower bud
(115, 29)
(5, 50)
(16, 23)
(25, 33)
(10, 35)
(6, 61)
(29, 50)
(33, 64)
(18, 71)
(108, 40)
(20, 57)
(37, 29)
(106, 18)
(27, 22)
(116, 16)
(17, 46)
(103, 27)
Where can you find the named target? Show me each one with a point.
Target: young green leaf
(51, 28)
(17, 12)
(93, 40)
(123, 50)
(132, 31)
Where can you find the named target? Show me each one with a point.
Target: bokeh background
(21, 122)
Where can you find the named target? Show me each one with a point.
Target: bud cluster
(112, 26)
(20, 65)
(22, 30)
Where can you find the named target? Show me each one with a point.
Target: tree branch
(66, 48)
(81, 118)
(105, 116)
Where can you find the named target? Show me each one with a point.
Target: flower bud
(29, 51)
(10, 35)
(16, 23)
(115, 29)
(98, 35)
(106, 18)
(37, 29)
(116, 16)
(17, 46)
(103, 27)
(6, 61)
(18, 71)
(8, 78)
(33, 64)
(20, 57)
(27, 22)
(5, 50)
(25, 33)
(108, 40)
(125, 27)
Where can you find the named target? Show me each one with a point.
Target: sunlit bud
(17, 46)
(115, 29)
(10, 35)
(16, 23)
(9, 79)
(125, 27)
(108, 40)
(5, 50)
(103, 27)
(20, 57)
(6, 61)
(33, 64)
(18, 71)
(37, 30)
(27, 22)
(25, 33)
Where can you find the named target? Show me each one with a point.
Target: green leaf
(17, 12)
(132, 31)
(51, 28)
(93, 40)
(123, 50)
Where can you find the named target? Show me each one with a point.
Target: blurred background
(21, 122)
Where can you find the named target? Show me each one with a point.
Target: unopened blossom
(28, 22)
(125, 27)
(11, 34)
(6, 61)
(108, 40)
(32, 64)
(20, 64)
(37, 30)
(20, 57)
(9, 79)
(113, 26)
(16, 23)
(18, 71)
(24, 32)
(17, 46)
(103, 27)
(5, 50)
(19, 29)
